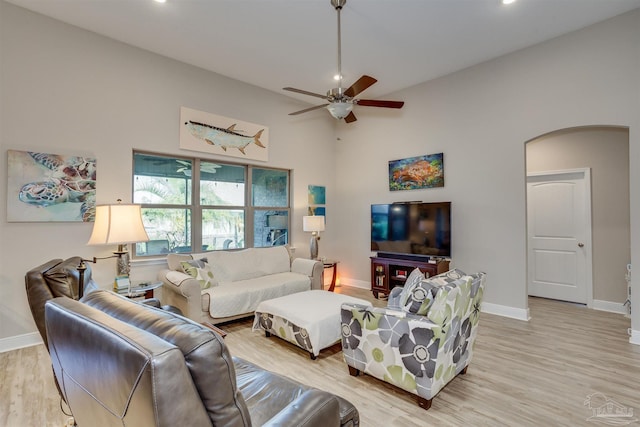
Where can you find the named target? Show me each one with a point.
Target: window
(195, 203)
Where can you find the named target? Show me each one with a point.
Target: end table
(142, 290)
(334, 265)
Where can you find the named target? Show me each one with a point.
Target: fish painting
(224, 138)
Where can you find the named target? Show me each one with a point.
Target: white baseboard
(613, 307)
(360, 284)
(506, 311)
(20, 341)
(635, 337)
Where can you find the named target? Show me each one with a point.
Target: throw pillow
(448, 277)
(204, 275)
(415, 277)
(198, 263)
(421, 296)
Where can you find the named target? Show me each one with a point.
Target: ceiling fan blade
(360, 85)
(304, 92)
(307, 109)
(379, 103)
(350, 117)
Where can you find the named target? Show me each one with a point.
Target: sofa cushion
(243, 296)
(259, 386)
(231, 266)
(205, 353)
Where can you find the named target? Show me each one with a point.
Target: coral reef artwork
(46, 187)
(414, 173)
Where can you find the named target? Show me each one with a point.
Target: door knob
(581, 245)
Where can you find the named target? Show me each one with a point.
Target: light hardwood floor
(536, 373)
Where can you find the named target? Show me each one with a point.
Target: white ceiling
(278, 43)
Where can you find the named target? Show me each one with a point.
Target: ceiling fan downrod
(340, 102)
(338, 4)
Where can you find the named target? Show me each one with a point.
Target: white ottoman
(310, 319)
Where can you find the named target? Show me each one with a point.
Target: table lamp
(314, 224)
(118, 224)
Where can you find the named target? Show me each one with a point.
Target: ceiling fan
(341, 101)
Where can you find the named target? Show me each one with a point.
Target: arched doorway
(604, 150)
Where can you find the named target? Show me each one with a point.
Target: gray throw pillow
(420, 297)
(415, 277)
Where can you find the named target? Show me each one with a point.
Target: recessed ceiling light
(508, 1)
(164, 1)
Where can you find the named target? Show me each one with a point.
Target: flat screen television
(415, 229)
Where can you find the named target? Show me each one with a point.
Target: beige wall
(65, 90)
(481, 118)
(606, 152)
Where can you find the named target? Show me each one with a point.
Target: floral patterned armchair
(423, 339)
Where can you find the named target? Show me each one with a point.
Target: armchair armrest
(309, 267)
(314, 408)
(182, 291)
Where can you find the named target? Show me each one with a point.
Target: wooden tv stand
(387, 273)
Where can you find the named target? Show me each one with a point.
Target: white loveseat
(241, 280)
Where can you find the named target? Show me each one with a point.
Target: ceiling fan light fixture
(340, 110)
(341, 101)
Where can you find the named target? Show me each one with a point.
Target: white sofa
(241, 280)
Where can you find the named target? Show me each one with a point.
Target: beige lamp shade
(118, 224)
(313, 223)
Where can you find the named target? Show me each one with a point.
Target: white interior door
(559, 235)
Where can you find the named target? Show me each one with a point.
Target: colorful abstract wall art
(415, 173)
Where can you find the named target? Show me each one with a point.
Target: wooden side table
(215, 329)
(334, 265)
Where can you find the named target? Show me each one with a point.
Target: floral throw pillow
(201, 271)
(422, 294)
(198, 263)
(414, 278)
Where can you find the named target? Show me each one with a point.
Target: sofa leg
(464, 371)
(424, 403)
(267, 334)
(353, 371)
(313, 356)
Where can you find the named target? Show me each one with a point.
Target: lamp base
(123, 266)
(313, 247)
